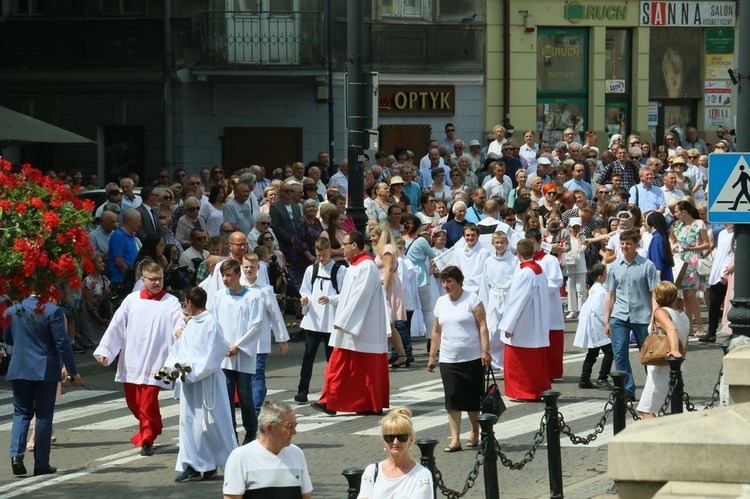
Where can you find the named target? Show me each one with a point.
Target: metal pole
(354, 478)
(739, 315)
(427, 449)
(554, 457)
(356, 111)
(675, 375)
(619, 409)
(168, 92)
(489, 467)
(331, 136)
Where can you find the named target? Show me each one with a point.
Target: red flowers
(43, 238)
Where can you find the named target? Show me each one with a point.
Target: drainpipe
(168, 91)
(506, 62)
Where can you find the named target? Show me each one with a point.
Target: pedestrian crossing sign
(729, 188)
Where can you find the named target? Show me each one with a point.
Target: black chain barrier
(633, 412)
(715, 396)
(470, 480)
(598, 429)
(668, 400)
(529, 456)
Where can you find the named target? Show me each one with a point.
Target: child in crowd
(590, 333)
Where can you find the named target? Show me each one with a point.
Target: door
(675, 115)
(263, 31)
(412, 137)
(270, 147)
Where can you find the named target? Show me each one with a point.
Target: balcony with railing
(281, 38)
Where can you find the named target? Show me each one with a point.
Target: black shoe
(301, 397)
(17, 464)
(147, 450)
(322, 408)
(208, 475)
(603, 384)
(45, 470)
(586, 384)
(707, 338)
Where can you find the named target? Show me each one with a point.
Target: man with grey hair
(298, 173)
(241, 210)
(262, 224)
(261, 182)
(99, 236)
(114, 197)
(458, 149)
(314, 174)
(470, 178)
(269, 466)
(129, 198)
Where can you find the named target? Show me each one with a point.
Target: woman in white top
(213, 211)
(575, 265)
(677, 326)
(460, 333)
(399, 475)
(438, 188)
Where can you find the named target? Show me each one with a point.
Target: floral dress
(689, 236)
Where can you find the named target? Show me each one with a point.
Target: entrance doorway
(270, 147)
(412, 137)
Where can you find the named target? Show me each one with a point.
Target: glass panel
(562, 60)
(675, 63)
(281, 5)
(390, 7)
(617, 56)
(677, 117)
(555, 115)
(412, 7)
(616, 116)
(247, 5)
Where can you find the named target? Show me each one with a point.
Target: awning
(19, 129)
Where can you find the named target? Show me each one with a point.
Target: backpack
(333, 278)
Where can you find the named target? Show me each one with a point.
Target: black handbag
(492, 400)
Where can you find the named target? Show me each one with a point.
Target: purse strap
(489, 373)
(653, 320)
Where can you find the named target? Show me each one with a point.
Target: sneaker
(188, 475)
(147, 450)
(208, 475)
(587, 384)
(301, 397)
(571, 315)
(603, 384)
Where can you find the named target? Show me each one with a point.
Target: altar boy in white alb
(526, 326)
(206, 437)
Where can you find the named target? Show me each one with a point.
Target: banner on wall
(717, 116)
(717, 92)
(717, 66)
(687, 14)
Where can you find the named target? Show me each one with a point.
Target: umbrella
(18, 129)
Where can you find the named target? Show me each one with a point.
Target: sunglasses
(390, 437)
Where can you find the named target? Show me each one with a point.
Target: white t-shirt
(279, 476)
(417, 484)
(460, 335)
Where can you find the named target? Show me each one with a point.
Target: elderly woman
(262, 224)
(213, 211)
(454, 228)
(399, 475)
(460, 334)
(270, 196)
(676, 325)
(438, 188)
(305, 234)
(189, 221)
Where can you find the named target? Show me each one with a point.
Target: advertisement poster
(718, 92)
(673, 65)
(717, 116)
(717, 66)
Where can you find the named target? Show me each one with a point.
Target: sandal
(402, 361)
(30, 447)
(453, 448)
(472, 443)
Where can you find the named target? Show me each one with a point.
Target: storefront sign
(576, 12)
(719, 40)
(687, 14)
(717, 116)
(653, 113)
(437, 100)
(614, 86)
(717, 66)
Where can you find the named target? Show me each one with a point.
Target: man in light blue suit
(40, 349)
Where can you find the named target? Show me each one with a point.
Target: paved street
(95, 458)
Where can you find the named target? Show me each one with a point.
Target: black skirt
(463, 384)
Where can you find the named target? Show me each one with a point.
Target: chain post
(489, 467)
(620, 408)
(427, 449)
(554, 457)
(675, 373)
(354, 477)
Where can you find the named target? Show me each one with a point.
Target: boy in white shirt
(590, 333)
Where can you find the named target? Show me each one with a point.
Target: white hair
(458, 204)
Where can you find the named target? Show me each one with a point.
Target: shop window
(562, 81)
(618, 84)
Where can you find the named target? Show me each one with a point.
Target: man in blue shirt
(646, 195)
(122, 247)
(577, 181)
(628, 304)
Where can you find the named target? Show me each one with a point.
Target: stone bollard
(554, 457)
(489, 467)
(354, 477)
(619, 409)
(675, 375)
(427, 449)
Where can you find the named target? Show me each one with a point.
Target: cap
(543, 161)
(575, 221)
(474, 143)
(396, 180)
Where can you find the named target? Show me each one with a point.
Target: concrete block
(695, 490)
(650, 453)
(737, 368)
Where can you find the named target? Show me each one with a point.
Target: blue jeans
(620, 333)
(244, 384)
(404, 330)
(313, 339)
(259, 382)
(33, 398)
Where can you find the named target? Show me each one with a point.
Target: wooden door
(412, 137)
(270, 147)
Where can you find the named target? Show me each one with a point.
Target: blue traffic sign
(729, 188)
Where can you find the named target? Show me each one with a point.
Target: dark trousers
(313, 340)
(404, 330)
(590, 360)
(716, 295)
(244, 384)
(33, 398)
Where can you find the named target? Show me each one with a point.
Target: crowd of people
(484, 251)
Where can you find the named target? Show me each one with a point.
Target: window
(562, 81)
(402, 8)
(28, 7)
(618, 83)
